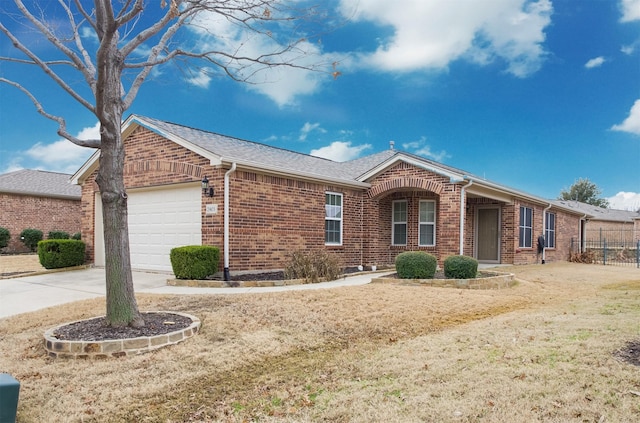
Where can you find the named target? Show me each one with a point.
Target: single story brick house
(36, 199)
(267, 202)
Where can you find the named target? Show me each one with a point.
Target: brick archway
(399, 183)
(163, 166)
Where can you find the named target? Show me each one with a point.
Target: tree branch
(62, 125)
(47, 69)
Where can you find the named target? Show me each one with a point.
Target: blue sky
(529, 94)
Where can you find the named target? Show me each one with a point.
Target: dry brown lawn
(543, 350)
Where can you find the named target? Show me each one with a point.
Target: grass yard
(543, 350)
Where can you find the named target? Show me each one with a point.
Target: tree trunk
(122, 308)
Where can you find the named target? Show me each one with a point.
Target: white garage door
(159, 220)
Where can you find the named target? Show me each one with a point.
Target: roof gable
(39, 183)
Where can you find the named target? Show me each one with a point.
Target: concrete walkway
(30, 293)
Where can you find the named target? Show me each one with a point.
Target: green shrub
(416, 265)
(58, 235)
(77, 236)
(30, 238)
(5, 236)
(313, 266)
(460, 267)
(58, 253)
(194, 261)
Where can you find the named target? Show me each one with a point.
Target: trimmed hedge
(77, 236)
(31, 237)
(58, 235)
(460, 267)
(194, 261)
(58, 253)
(416, 265)
(5, 236)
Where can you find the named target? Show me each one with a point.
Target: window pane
(399, 234)
(426, 234)
(332, 231)
(400, 211)
(427, 211)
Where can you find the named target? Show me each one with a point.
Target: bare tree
(130, 44)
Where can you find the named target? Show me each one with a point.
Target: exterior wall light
(206, 189)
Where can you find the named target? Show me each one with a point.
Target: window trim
(394, 223)
(420, 223)
(334, 219)
(548, 230)
(522, 226)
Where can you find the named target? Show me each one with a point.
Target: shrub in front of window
(30, 238)
(59, 253)
(194, 261)
(58, 235)
(313, 266)
(416, 265)
(5, 236)
(460, 267)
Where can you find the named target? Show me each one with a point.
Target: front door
(488, 235)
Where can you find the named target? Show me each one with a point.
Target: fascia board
(418, 163)
(86, 169)
(274, 170)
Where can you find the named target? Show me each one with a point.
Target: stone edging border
(204, 283)
(58, 348)
(499, 281)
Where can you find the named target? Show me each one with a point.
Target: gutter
(462, 213)
(227, 274)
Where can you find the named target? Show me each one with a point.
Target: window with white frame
(550, 230)
(333, 219)
(526, 228)
(399, 223)
(427, 225)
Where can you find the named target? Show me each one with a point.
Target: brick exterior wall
(47, 214)
(271, 216)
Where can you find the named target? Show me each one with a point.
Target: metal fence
(619, 252)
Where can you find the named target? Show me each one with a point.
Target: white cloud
(280, 83)
(340, 151)
(59, 156)
(632, 123)
(430, 34)
(630, 10)
(309, 127)
(595, 62)
(421, 148)
(629, 49)
(200, 79)
(625, 201)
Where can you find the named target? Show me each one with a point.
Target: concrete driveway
(30, 293)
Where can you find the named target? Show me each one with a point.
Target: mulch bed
(97, 329)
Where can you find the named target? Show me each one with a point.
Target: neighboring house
(268, 202)
(36, 199)
(615, 226)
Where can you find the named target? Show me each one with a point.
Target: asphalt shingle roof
(599, 213)
(234, 149)
(39, 183)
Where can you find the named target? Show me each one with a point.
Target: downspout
(227, 274)
(544, 230)
(462, 212)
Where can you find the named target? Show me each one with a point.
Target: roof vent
(391, 144)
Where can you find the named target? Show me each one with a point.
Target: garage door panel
(160, 220)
